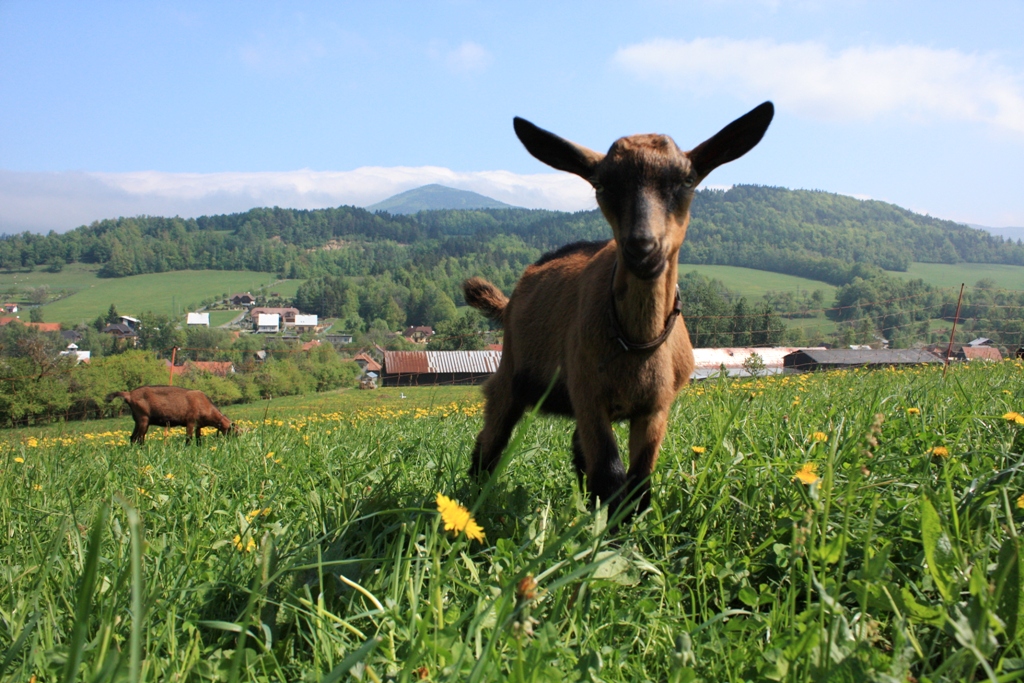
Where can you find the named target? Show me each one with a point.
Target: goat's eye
(689, 181)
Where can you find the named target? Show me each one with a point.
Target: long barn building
(438, 368)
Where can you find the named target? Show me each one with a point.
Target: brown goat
(166, 406)
(596, 321)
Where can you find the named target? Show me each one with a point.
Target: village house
(130, 321)
(420, 334)
(981, 352)
(198, 320)
(10, 308)
(339, 339)
(268, 323)
(305, 323)
(42, 327)
(367, 363)
(80, 356)
(244, 299)
(286, 315)
(121, 331)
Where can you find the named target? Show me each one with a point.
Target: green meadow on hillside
(846, 526)
(754, 284)
(951, 275)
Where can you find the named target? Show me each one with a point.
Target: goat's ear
(733, 141)
(555, 151)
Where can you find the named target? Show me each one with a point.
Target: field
(166, 293)
(840, 526)
(754, 284)
(943, 275)
(218, 318)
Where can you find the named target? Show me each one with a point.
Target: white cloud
(40, 202)
(855, 83)
(467, 58)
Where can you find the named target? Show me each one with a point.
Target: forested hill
(815, 234)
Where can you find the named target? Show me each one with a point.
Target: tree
(112, 315)
(461, 333)
(741, 323)
(36, 315)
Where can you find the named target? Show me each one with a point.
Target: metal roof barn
(439, 367)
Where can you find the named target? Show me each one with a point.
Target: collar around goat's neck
(620, 336)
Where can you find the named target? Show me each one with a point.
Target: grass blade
(83, 602)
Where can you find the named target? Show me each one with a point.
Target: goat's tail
(118, 394)
(484, 297)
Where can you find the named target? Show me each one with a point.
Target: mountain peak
(434, 197)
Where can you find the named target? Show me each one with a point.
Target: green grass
(310, 544)
(218, 318)
(951, 275)
(754, 284)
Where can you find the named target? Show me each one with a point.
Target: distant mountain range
(1006, 233)
(436, 197)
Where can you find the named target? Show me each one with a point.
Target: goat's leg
(645, 436)
(606, 475)
(578, 459)
(501, 414)
(189, 429)
(199, 434)
(141, 427)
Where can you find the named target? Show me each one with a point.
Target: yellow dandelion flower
(819, 437)
(252, 514)
(1020, 501)
(940, 452)
(1014, 417)
(32, 442)
(168, 476)
(697, 449)
(913, 411)
(270, 455)
(457, 518)
(808, 474)
(37, 487)
(246, 546)
(19, 459)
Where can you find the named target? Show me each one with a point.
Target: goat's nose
(641, 246)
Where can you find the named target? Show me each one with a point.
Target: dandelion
(808, 474)
(1020, 501)
(457, 518)
(913, 411)
(819, 437)
(19, 459)
(37, 487)
(940, 452)
(697, 449)
(168, 476)
(32, 442)
(1014, 417)
(244, 547)
(270, 455)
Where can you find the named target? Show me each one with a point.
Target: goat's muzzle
(642, 257)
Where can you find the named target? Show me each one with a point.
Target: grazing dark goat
(172, 407)
(597, 321)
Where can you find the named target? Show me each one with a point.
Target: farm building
(429, 368)
(120, 330)
(969, 353)
(42, 327)
(709, 362)
(243, 299)
(806, 360)
(198, 320)
(269, 323)
(10, 308)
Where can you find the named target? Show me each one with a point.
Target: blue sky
(184, 108)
